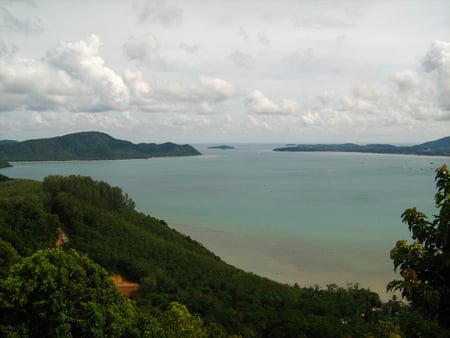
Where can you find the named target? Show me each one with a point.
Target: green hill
(439, 147)
(88, 146)
(100, 221)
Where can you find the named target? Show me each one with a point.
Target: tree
(181, 324)
(61, 293)
(425, 264)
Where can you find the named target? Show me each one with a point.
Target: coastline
(291, 261)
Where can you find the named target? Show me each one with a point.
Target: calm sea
(306, 218)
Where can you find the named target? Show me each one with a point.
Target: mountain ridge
(439, 147)
(89, 145)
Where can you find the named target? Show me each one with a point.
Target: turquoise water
(294, 217)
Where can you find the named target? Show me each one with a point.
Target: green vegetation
(88, 146)
(60, 293)
(185, 290)
(439, 147)
(425, 264)
(4, 164)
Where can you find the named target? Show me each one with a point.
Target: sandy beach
(292, 261)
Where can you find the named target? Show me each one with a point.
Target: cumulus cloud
(143, 49)
(33, 85)
(241, 59)
(437, 63)
(82, 62)
(159, 12)
(258, 103)
(216, 88)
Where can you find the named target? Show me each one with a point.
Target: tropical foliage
(185, 290)
(425, 264)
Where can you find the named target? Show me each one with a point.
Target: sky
(197, 71)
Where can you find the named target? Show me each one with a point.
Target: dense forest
(88, 146)
(439, 147)
(184, 289)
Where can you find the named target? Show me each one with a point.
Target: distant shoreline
(439, 147)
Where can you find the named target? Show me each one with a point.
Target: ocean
(305, 218)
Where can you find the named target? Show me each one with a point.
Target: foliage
(88, 146)
(4, 164)
(171, 267)
(96, 193)
(8, 256)
(181, 324)
(58, 293)
(425, 264)
(25, 220)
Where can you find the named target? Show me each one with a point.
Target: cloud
(421, 94)
(81, 61)
(241, 59)
(13, 23)
(243, 33)
(189, 48)
(264, 39)
(258, 103)
(216, 88)
(143, 49)
(159, 12)
(319, 22)
(437, 64)
(33, 85)
(301, 56)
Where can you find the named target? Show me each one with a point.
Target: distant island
(224, 147)
(440, 147)
(88, 146)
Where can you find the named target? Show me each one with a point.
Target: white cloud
(243, 33)
(144, 49)
(82, 62)
(264, 39)
(189, 48)
(217, 88)
(258, 103)
(437, 63)
(301, 56)
(159, 12)
(241, 59)
(13, 23)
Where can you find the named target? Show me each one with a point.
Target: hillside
(440, 147)
(88, 146)
(101, 222)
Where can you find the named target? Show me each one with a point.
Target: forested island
(62, 239)
(440, 147)
(88, 146)
(222, 147)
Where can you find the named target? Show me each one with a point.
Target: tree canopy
(188, 289)
(61, 293)
(424, 265)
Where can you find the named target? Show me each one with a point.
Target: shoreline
(290, 261)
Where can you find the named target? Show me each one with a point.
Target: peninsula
(88, 146)
(440, 147)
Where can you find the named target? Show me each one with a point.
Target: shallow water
(306, 218)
